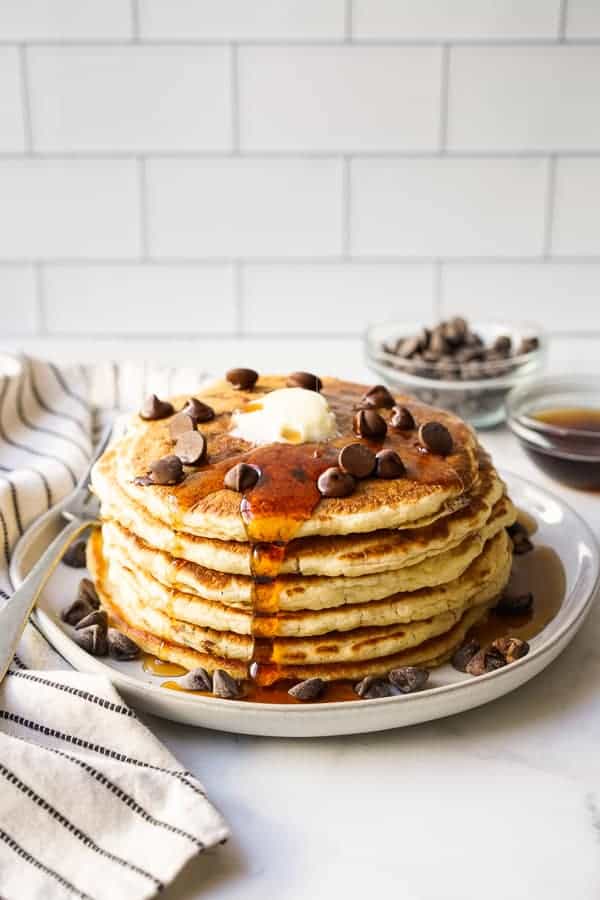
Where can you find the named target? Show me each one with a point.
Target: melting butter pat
(288, 415)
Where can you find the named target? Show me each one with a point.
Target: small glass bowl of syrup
(557, 421)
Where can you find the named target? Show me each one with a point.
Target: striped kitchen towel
(91, 804)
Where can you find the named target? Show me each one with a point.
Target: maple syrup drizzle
(156, 666)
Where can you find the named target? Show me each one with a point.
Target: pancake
(201, 506)
(302, 592)
(328, 556)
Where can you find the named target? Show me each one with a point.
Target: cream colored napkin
(91, 804)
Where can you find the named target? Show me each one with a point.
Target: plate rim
(334, 708)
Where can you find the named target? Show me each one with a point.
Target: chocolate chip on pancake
(92, 640)
(241, 477)
(97, 617)
(409, 678)
(120, 646)
(242, 379)
(376, 397)
(191, 448)
(389, 465)
(369, 424)
(356, 459)
(307, 690)
(154, 408)
(180, 424)
(515, 604)
(167, 470)
(305, 380)
(197, 680)
(74, 556)
(197, 411)
(335, 483)
(511, 648)
(402, 419)
(436, 438)
(225, 686)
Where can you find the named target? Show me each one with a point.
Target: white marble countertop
(502, 802)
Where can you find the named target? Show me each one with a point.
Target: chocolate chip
(436, 438)
(463, 656)
(402, 419)
(409, 678)
(242, 379)
(376, 397)
(357, 460)
(154, 408)
(515, 604)
(520, 538)
(409, 346)
(97, 617)
(438, 343)
(502, 344)
(307, 690)
(241, 477)
(368, 424)
(76, 611)
(191, 448)
(167, 470)
(511, 648)
(74, 556)
(528, 345)
(389, 465)
(485, 661)
(197, 680)
(305, 380)
(371, 687)
(87, 591)
(181, 424)
(335, 483)
(198, 411)
(92, 640)
(225, 686)
(120, 646)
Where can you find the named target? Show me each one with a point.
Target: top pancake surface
(285, 503)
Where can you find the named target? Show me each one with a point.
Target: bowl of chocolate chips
(465, 368)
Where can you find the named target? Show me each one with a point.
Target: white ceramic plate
(449, 692)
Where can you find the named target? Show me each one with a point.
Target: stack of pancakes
(278, 583)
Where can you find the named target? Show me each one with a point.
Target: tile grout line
(235, 99)
(40, 296)
(437, 290)
(310, 42)
(444, 99)
(346, 208)
(298, 155)
(25, 100)
(562, 21)
(135, 21)
(315, 261)
(238, 298)
(549, 202)
(348, 21)
(142, 181)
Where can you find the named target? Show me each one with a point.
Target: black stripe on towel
(66, 387)
(40, 429)
(98, 748)
(85, 839)
(77, 692)
(43, 404)
(23, 854)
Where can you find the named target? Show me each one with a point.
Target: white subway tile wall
(182, 167)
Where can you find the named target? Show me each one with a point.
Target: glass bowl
(565, 443)
(479, 400)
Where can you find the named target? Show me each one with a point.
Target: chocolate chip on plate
(335, 483)
(503, 344)
(225, 686)
(180, 424)
(198, 411)
(357, 460)
(528, 345)
(92, 640)
(241, 477)
(372, 686)
(520, 538)
(436, 438)
(369, 424)
(191, 448)
(376, 397)
(79, 609)
(389, 465)
(486, 660)
(463, 656)
(307, 690)
(97, 617)
(74, 556)
(167, 470)
(242, 379)
(120, 646)
(87, 591)
(514, 604)
(402, 419)
(197, 680)
(305, 380)
(409, 678)
(511, 648)
(154, 408)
